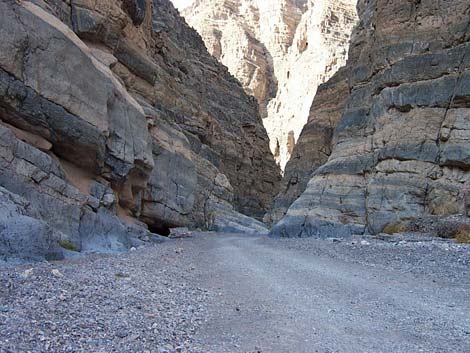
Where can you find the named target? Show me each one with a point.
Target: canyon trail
(234, 293)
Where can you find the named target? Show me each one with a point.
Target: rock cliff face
(114, 120)
(280, 51)
(401, 150)
(314, 145)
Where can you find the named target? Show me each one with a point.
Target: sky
(181, 4)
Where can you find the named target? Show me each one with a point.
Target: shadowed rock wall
(115, 119)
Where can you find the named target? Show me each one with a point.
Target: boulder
(22, 235)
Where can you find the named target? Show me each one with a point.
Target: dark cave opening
(159, 229)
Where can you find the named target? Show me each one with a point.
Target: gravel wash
(435, 258)
(141, 301)
(216, 293)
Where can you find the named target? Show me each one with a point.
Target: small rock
(57, 273)
(121, 275)
(133, 249)
(108, 199)
(181, 232)
(364, 242)
(27, 273)
(122, 334)
(334, 240)
(165, 349)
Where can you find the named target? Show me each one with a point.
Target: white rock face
(281, 51)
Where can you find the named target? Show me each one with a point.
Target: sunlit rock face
(116, 123)
(314, 145)
(280, 51)
(401, 147)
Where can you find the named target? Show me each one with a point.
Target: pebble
(121, 334)
(57, 273)
(27, 273)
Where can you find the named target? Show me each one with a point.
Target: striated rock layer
(314, 145)
(401, 150)
(280, 51)
(115, 120)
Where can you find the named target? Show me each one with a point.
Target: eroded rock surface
(314, 145)
(114, 120)
(401, 148)
(280, 51)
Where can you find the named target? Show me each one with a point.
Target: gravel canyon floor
(234, 293)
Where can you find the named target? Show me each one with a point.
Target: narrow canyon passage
(144, 203)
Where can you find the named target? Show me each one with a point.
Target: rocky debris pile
(116, 123)
(401, 148)
(280, 51)
(145, 300)
(454, 226)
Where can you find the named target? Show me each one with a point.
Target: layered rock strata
(115, 121)
(314, 145)
(280, 51)
(401, 149)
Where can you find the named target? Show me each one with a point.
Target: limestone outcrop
(401, 148)
(280, 51)
(116, 124)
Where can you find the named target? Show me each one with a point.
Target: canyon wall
(115, 124)
(314, 145)
(280, 51)
(401, 150)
